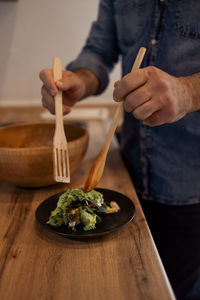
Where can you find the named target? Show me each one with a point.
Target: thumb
(62, 84)
(67, 83)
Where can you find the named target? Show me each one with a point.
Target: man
(160, 139)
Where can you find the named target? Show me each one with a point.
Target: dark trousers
(176, 232)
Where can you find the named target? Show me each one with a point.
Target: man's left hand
(154, 96)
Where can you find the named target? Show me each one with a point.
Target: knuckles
(152, 71)
(159, 80)
(169, 104)
(138, 115)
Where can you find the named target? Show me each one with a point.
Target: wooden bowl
(26, 152)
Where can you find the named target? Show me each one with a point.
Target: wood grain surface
(36, 264)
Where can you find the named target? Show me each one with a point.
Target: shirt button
(153, 42)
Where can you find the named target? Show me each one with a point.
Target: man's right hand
(72, 85)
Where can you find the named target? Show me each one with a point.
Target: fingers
(69, 84)
(48, 90)
(157, 118)
(46, 76)
(68, 81)
(153, 96)
(137, 98)
(116, 83)
(128, 84)
(66, 109)
(155, 113)
(145, 111)
(50, 105)
(47, 100)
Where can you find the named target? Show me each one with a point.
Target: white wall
(31, 33)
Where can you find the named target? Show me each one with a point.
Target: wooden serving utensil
(60, 149)
(97, 169)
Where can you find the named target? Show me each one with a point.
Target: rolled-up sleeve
(100, 52)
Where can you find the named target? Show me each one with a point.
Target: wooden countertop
(35, 264)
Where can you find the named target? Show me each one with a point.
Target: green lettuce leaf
(87, 219)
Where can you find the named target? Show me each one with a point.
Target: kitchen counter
(36, 264)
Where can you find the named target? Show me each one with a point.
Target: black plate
(110, 222)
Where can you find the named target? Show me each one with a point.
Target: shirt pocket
(128, 16)
(187, 18)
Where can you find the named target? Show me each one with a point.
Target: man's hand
(74, 85)
(156, 97)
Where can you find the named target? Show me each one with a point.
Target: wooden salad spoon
(98, 165)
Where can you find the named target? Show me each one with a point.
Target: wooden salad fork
(60, 149)
(97, 169)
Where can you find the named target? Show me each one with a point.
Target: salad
(75, 207)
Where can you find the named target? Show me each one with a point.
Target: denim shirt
(163, 161)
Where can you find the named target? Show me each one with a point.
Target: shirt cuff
(92, 62)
